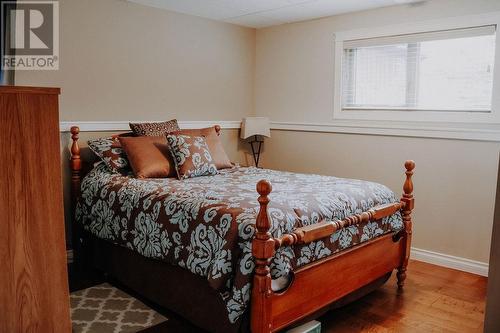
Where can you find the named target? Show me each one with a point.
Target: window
(435, 78)
(447, 70)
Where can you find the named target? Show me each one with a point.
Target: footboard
(322, 282)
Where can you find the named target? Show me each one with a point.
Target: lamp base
(256, 145)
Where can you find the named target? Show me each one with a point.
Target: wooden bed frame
(320, 283)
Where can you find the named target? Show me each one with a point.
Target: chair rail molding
(424, 130)
(104, 126)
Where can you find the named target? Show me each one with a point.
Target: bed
(228, 260)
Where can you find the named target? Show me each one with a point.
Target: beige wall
(455, 180)
(123, 61)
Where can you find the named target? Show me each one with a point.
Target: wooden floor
(435, 299)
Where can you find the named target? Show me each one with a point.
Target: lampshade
(255, 126)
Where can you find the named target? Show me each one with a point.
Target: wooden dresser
(33, 272)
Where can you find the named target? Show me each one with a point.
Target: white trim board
(104, 126)
(393, 129)
(445, 260)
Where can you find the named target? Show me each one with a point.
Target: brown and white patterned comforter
(206, 224)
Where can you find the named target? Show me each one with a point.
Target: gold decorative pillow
(154, 129)
(149, 156)
(191, 155)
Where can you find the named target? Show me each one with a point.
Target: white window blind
(449, 70)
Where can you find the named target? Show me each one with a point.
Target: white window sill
(416, 117)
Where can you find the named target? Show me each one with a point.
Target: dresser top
(29, 90)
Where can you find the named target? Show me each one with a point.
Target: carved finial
(410, 165)
(75, 149)
(408, 185)
(264, 187)
(263, 225)
(75, 130)
(217, 129)
(76, 164)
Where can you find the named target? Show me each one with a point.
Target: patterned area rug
(106, 309)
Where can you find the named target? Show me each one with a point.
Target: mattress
(206, 224)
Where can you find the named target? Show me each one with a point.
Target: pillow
(191, 155)
(110, 151)
(154, 129)
(149, 156)
(219, 155)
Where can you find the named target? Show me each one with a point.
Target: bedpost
(409, 201)
(76, 167)
(263, 251)
(76, 164)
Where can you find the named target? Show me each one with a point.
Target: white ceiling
(264, 13)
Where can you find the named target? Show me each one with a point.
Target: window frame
(435, 118)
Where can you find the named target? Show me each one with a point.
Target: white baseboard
(445, 260)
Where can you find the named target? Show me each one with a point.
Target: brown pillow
(154, 129)
(217, 151)
(149, 156)
(192, 156)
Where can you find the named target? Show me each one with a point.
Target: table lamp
(255, 127)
